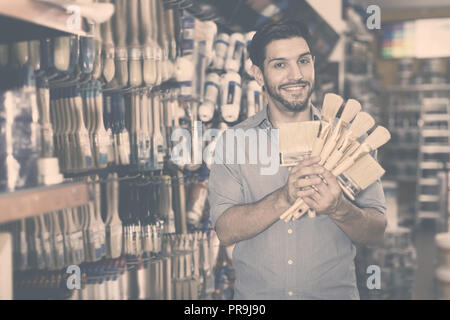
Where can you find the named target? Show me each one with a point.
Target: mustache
(294, 83)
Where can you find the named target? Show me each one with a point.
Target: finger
(305, 163)
(311, 203)
(309, 171)
(305, 193)
(304, 183)
(323, 189)
(330, 178)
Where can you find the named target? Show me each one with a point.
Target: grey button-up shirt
(310, 258)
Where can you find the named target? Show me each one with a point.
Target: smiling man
(310, 258)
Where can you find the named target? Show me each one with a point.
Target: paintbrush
(113, 223)
(351, 108)
(43, 94)
(61, 53)
(361, 175)
(120, 33)
(57, 241)
(294, 150)
(359, 126)
(19, 52)
(34, 50)
(108, 50)
(4, 55)
(157, 161)
(330, 107)
(375, 140)
(149, 59)
(101, 139)
(81, 133)
(361, 123)
(134, 51)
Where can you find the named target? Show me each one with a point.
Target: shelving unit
(36, 201)
(434, 152)
(31, 20)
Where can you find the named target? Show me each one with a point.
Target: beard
(295, 106)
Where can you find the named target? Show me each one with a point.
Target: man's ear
(258, 75)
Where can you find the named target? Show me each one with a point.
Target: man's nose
(295, 73)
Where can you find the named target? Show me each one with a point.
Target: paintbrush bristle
(331, 105)
(365, 171)
(351, 109)
(378, 137)
(297, 136)
(361, 124)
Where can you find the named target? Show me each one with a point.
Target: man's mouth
(293, 88)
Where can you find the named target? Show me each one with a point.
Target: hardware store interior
(93, 92)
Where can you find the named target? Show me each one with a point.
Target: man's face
(288, 73)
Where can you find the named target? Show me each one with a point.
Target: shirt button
(289, 231)
(290, 293)
(290, 262)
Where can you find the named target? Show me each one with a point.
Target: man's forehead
(286, 48)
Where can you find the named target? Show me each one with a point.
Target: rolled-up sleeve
(225, 186)
(373, 196)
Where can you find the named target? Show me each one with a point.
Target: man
(310, 258)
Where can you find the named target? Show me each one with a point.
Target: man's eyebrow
(283, 59)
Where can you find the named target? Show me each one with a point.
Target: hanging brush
(134, 51)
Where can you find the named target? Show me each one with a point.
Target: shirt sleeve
(372, 196)
(225, 185)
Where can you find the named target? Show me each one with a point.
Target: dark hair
(275, 31)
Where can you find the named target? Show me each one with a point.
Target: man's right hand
(301, 179)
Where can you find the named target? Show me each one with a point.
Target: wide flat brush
(361, 175)
(359, 126)
(375, 140)
(295, 149)
(351, 108)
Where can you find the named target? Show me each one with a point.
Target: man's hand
(302, 178)
(327, 197)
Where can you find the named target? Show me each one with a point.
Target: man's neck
(277, 116)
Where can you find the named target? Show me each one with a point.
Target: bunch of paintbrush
(335, 143)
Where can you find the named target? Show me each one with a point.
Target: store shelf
(419, 87)
(428, 215)
(35, 201)
(29, 19)
(435, 133)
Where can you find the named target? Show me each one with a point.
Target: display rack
(36, 201)
(32, 20)
(434, 152)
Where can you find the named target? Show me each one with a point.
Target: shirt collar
(262, 118)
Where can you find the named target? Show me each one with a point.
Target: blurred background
(89, 98)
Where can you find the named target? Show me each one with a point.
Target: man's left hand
(327, 197)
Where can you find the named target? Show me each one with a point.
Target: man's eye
(279, 65)
(305, 61)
